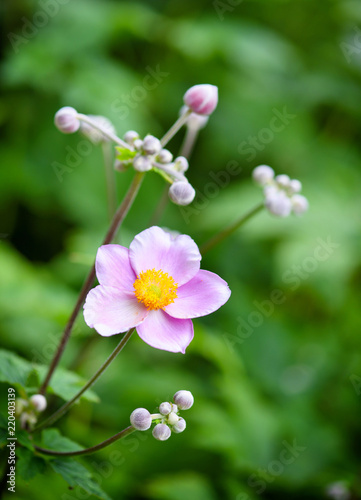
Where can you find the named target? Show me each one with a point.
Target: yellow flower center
(155, 289)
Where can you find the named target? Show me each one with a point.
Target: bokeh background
(295, 375)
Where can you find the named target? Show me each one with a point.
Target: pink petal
(202, 295)
(111, 310)
(113, 267)
(154, 248)
(164, 332)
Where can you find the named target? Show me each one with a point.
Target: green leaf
(29, 465)
(125, 154)
(53, 440)
(13, 369)
(23, 439)
(76, 474)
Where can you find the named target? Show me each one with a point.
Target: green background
(297, 375)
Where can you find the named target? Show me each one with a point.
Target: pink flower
(202, 99)
(156, 286)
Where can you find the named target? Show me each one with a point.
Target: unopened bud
(181, 164)
(138, 144)
(295, 186)
(66, 120)
(165, 156)
(263, 174)
(181, 193)
(142, 163)
(202, 99)
(172, 418)
(184, 399)
(20, 405)
(279, 204)
(299, 204)
(283, 180)
(179, 426)
(141, 419)
(121, 166)
(38, 401)
(195, 122)
(151, 145)
(165, 408)
(161, 432)
(131, 136)
(27, 420)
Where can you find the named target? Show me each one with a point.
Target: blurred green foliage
(297, 374)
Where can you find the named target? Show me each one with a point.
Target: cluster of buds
(167, 420)
(148, 154)
(28, 409)
(281, 193)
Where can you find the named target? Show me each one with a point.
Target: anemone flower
(156, 286)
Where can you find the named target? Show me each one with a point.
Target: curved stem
(118, 218)
(175, 127)
(60, 412)
(104, 131)
(222, 235)
(87, 451)
(189, 141)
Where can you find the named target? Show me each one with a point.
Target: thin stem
(87, 451)
(55, 416)
(117, 220)
(175, 127)
(189, 141)
(109, 178)
(222, 235)
(104, 131)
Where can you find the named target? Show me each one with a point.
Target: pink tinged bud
(174, 408)
(130, 137)
(184, 399)
(141, 419)
(181, 193)
(181, 164)
(165, 156)
(38, 401)
(263, 174)
(151, 145)
(299, 204)
(172, 418)
(142, 164)
(295, 186)
(202, 99)
(279, 204)
(283, 181)
(165, 408)
(66, 120)
(138, 144)
(179, 426)
(161, 432)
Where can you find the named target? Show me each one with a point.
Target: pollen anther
(155, 289)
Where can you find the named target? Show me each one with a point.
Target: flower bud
(299, 204)
(174, 408)
(179, 426)
(202, 99)
(66, 120)
(138, 144)
(181, 164)
(263, 174)
(141, 419)
(27, 420)
(283, 180)
(279, 204)
(38, 401)
(20, 405)
(172, 418)
(151, 145)
(121, 166)
(295, 186)
(184, 399)
(142, 163)
(95, 135)
(165, 408)
(181, 193)
(161, 432)
(165, 156)
(130, 137)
